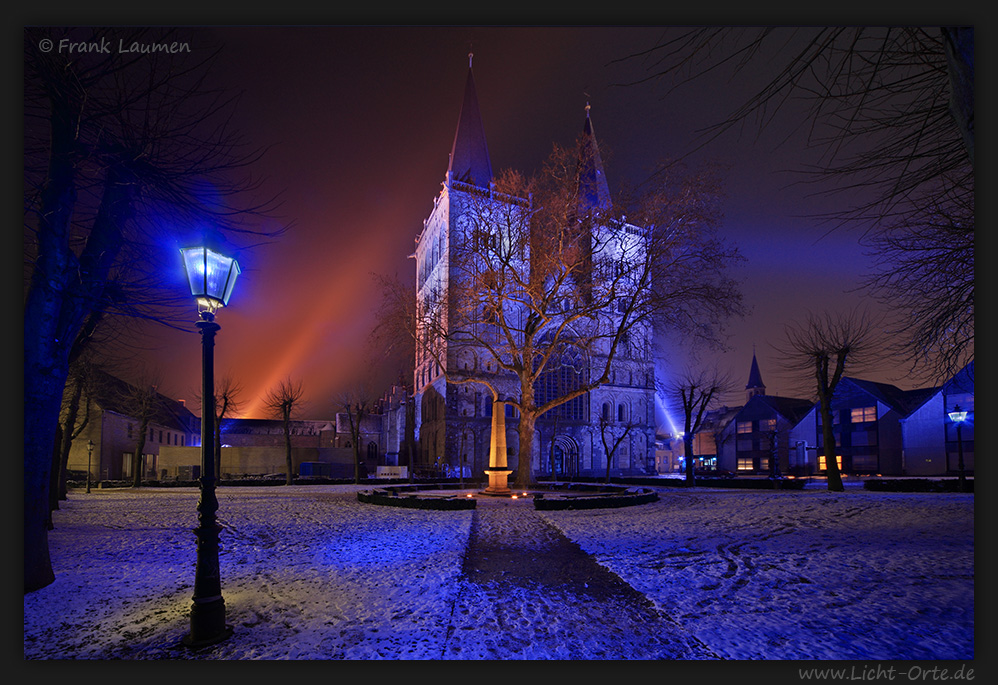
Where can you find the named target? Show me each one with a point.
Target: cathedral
(453, 421)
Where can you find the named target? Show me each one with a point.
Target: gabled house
(766, 420)
(743, 436)
(930, 441)
(113, 425)
(866, 418)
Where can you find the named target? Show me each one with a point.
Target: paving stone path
(531, 593)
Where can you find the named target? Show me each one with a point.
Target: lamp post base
(498, 482)
(208, 625)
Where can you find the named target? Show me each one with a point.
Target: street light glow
(211, 275)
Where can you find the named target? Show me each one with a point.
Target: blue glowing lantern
(211, 275)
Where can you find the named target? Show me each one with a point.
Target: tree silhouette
(891, 121)
(819, 350)
(695, 391)
(121, 151)
(284, 402)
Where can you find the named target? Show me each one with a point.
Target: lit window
(863, 414)
(745, 464)
(767, 425)
(821, 462)
(744, 427)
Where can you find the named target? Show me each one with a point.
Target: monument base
(498, 482)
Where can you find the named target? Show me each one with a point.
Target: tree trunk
(524, 470)
(356, 462)
(609, 458)
(287, 450)
(137, 455)
(46, 345)
(218, 448)
(828, 436)
(69, 432)
(54, 476)
(690, 466)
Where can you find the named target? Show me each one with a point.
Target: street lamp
(958, 417)
(90, 454)
(212, 276)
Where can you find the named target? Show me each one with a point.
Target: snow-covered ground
(308, 572)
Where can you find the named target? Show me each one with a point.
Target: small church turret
(755, 386)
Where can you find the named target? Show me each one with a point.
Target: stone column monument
(498, 472)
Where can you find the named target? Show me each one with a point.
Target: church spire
(469, 156)
(755, 385)
(593, 189)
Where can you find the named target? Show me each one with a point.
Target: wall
(253, 461)
(924, 440)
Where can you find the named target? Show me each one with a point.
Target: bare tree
(113, 144)
(820, 349)
(891, 121)
(144, 405)
(357, 403)
(77, 403)
(227, 403)
(284, 402)
(695, 391)
(538, 277)
(612, 434)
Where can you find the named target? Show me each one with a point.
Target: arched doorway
(566, 457)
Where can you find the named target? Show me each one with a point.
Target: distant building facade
(453, 421)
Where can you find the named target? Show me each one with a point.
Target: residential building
(931, 444)
(113, 425)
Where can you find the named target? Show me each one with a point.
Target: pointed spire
(593, 189)
(755, 386)
(469, 157)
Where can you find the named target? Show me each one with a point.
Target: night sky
(361, 121)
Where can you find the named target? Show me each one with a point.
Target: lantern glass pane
(216, 274)
(231, 282)
(194, 263)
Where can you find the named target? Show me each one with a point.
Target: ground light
(212, 276)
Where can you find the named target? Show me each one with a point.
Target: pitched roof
(791, 408)
(469, 156)
(891, 395)
(593, 189)
(118, 396)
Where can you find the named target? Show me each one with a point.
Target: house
(765, 421)
(741, 439)
(866, 421)
(113, 424)
(930, 441)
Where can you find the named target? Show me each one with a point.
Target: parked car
(701, 472)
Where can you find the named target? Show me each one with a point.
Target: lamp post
(211, 276)
(90, 454)
(958, 417)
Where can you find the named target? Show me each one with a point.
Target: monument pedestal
(498, 482)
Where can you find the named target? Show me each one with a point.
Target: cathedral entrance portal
(566, 457)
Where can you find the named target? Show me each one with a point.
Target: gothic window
(606, 411)
(621, 412)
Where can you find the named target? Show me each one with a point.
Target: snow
(308, 572)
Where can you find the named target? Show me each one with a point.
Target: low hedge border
(627, 498)
(916, 485)
(414, 501)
